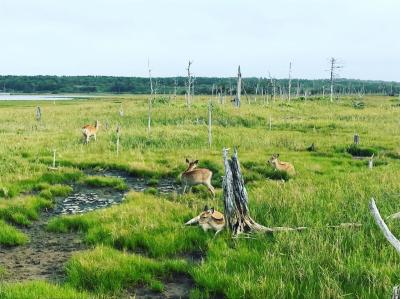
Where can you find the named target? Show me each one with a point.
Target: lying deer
(196, 176)
(209, 219)
(280, 165)
(89, 131)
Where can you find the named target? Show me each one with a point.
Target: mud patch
(45, 255)
(177, 288)
(87, 199)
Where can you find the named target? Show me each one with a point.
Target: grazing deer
(90, 130)
(280, 165)
(196, 176)
(209, 219)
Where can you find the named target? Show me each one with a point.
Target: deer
(280, 165)
(89, 131)
(196, 176)
(209, 219)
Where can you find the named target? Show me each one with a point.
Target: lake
(42, 97)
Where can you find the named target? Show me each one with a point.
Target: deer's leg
(211, 189)
(184, 186)
(218, 231)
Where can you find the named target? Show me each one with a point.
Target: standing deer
(280, 165)
(89, 131)
(196, 176)
(209, 219)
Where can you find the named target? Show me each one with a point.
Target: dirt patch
(177, 288)
(45, 255)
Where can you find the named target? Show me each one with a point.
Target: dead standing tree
(333, 73)
(150, 99)
(236, 201)
(290, 81)
(236, 100)
(189, 85)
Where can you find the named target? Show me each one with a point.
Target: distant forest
(202, 85)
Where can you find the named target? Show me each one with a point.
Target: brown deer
(89, 131)
(209, 219)
(280, 165)
(196, 176)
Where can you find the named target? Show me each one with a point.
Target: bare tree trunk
(290, 81)
(150, 99)
(238, 88)
(209, 123)
(236, 201)
(189, 85)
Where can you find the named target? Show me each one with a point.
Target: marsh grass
(330, 188)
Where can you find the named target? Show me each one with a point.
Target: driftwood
(388, 235)
(382, 225)
(236, 201)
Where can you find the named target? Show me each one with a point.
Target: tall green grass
(330, 187)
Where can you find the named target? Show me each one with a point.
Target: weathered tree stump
(236, 201)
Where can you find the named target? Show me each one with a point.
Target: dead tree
(290, 81)
(150, 99)
(238, 89)
(236, 201)
(273, 85)
(209, 123)
(388, 235)
(189, 85)
(333, 72)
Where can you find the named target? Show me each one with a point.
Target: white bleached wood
(382, 225)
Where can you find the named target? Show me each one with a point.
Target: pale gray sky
(116, 37)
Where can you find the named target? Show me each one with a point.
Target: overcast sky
(116, 37)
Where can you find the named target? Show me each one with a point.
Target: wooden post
(38, 113)
(118, 135)
(356, 139)
(54, 158)
(396, 292)
(121, 111)
(371, 162)
(209, 123)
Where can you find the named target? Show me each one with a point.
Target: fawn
(209, 219)
(89, 131)
(196, 176)
(280, 165)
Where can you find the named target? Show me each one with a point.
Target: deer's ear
(196, 162)
(205, 208)
(187, 160)
(277, 155)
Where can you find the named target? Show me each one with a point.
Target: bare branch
(382, 225)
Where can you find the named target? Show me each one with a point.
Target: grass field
(143, 241)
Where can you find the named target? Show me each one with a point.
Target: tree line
(200, 85)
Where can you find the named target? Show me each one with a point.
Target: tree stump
(236, 201)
